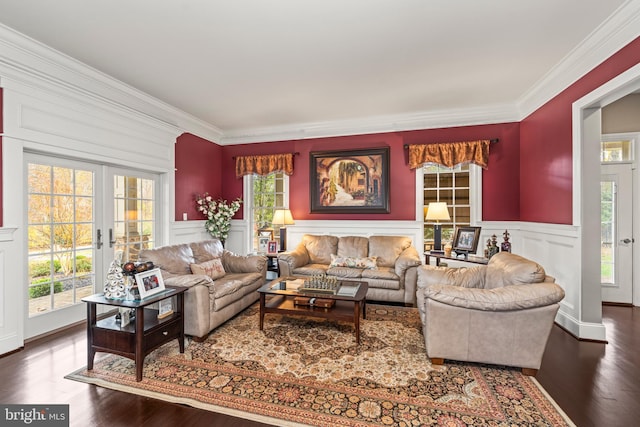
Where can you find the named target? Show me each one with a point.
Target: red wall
(500, 181)
(198, 164)
(546, 145)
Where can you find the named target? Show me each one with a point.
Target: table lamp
(282, 217)
(437, 211)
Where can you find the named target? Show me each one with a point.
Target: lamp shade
(282, 217)
(437, 211)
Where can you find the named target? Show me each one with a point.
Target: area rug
(306, 371)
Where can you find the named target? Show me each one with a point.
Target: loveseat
(387, 263)
(501, 313)
(221, 283)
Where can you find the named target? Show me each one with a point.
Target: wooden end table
(347, 308)
(142, 335)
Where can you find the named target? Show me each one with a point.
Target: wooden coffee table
(347, 308)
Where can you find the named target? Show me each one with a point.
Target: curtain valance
(264, 164)
(450, 153)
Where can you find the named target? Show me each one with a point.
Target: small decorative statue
(506, 245)
(492, 247)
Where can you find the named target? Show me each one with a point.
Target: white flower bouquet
(219, 213)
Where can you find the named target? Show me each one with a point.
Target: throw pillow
(212, 268)
(364, 262)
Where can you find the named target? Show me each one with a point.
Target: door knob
(627, 241)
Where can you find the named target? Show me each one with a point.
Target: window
(268, 193)
(452, 186)
(616, 151)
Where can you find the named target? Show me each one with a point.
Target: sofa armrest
(407, 259)
(294, 259)
(187, 280)
(233, 263)
(517, 297)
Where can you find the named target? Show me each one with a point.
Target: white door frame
(586, 126)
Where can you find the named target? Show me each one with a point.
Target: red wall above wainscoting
(546, 144)
(198, 164)
(500, 181)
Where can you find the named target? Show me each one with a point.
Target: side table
(138, 338)
(272, 263)
(472, 259)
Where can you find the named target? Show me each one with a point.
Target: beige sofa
(501, 313)
(209, 302)
(387, 263)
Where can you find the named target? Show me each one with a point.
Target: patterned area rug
(305, 371)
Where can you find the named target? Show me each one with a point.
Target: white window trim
(475, 194)
(247, 196)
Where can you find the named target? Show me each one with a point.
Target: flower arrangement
(219, 213)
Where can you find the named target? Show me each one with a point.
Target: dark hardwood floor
(595, 384)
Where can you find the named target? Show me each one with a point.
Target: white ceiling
(254, 64)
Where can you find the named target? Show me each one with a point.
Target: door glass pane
(60, 224)
(134, 225)
(607, 231)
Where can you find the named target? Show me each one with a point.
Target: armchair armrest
(473, 277)
(233, 263)
(515, 297)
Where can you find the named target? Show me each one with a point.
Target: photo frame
(149, 283)
(272, 247)
(263, 243)
(352, 181)
(465, 240)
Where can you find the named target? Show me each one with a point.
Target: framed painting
(465, 240)
(353, 181)
(149, 283)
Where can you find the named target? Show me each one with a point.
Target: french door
(616, 243)
(80, 216)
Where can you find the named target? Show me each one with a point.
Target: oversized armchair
(501, 313)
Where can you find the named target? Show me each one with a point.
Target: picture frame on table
(272, 247)
(263, 243)
(351, 181)
(465, 240)
(150, 283)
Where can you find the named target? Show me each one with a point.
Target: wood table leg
(91, 322)
(262, 302)
(356, 320)
(180, 302)
(139, 356)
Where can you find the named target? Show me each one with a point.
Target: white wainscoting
(193, 231)
(558, 249)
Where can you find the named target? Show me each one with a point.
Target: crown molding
(621, 28)
(28, 61)
(492, 114)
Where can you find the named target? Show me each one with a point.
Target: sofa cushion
(346, 272)
(320, 248)
(388, 248)
(505, 269)
(354, 262)
(174, 259)
(311, 269)
(353, 247)
(212, 268)
(206, 250)
(385, 273)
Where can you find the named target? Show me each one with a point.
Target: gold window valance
(264, 164)
(450, 153)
